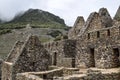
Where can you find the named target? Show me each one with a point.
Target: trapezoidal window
(88, 35)
(55, 58)
(119, 29)
(44, 76)
(92, 58)
(116, 56)
(73, 62)
(116, 52)
(108, 32)
(98, 34)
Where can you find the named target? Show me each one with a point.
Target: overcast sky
(66, 9)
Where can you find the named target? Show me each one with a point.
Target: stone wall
(99, 48)
(105, 18)
(46, 75)
(74, 31)
(7, 72)
(117, 15)
(94, 75)
(96, 44)
(62, 52)
(14, 52)
(93, 22)
(31, 56)
(26, 76)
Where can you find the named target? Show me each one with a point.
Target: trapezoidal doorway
(116, 56)
(92, 57)
(73, 62)
(54, 58)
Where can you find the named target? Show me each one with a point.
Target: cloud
(8, 8)
(66, 9)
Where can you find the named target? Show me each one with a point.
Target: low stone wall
(94, 75)
(70, 71)
(44, 75)
(62, 52)
(7, 72)
(26, 76)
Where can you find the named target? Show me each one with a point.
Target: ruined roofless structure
(92, 46)
(28, 56)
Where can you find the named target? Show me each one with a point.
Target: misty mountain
(36, 18)
(39, 18)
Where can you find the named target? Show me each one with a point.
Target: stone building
(93, 46)
(79, 23)
(28, 56)
(94, 43)
(62, 52)
(117, 15)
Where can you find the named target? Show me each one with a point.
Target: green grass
(5, 31)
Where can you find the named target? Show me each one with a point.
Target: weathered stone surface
(117, 15)
(93, 22)
(43, 75)
(74, 31)
(30, 56)
(105, 18)
(1, 62)
(26, 76)
(62, 52)
(7, 72)
(94, 75)
(102, 51)
(96, 45)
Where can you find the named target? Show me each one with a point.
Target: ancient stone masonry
(105, 18)
(117, 16)
(25, 57)
(62, 52)
(92, 52)
(93, 19)
(79, 23)
(99, 48)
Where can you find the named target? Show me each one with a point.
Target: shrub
(54, 33)
(5, 31)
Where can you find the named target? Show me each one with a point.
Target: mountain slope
(38, 18)
(21, 34)
(0, 21)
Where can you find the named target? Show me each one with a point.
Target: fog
(66, 9)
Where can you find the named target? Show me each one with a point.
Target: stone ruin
(92, 52)
(117, 15)
(79, 23)
(28, 56)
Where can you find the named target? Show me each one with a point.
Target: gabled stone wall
(62, 52)
(105, 18)
(117, 15)
(74, 31)
(104, 54)
(27, 57)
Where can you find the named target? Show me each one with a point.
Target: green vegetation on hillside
(37, 19)
(5, 31)
(54, 33)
